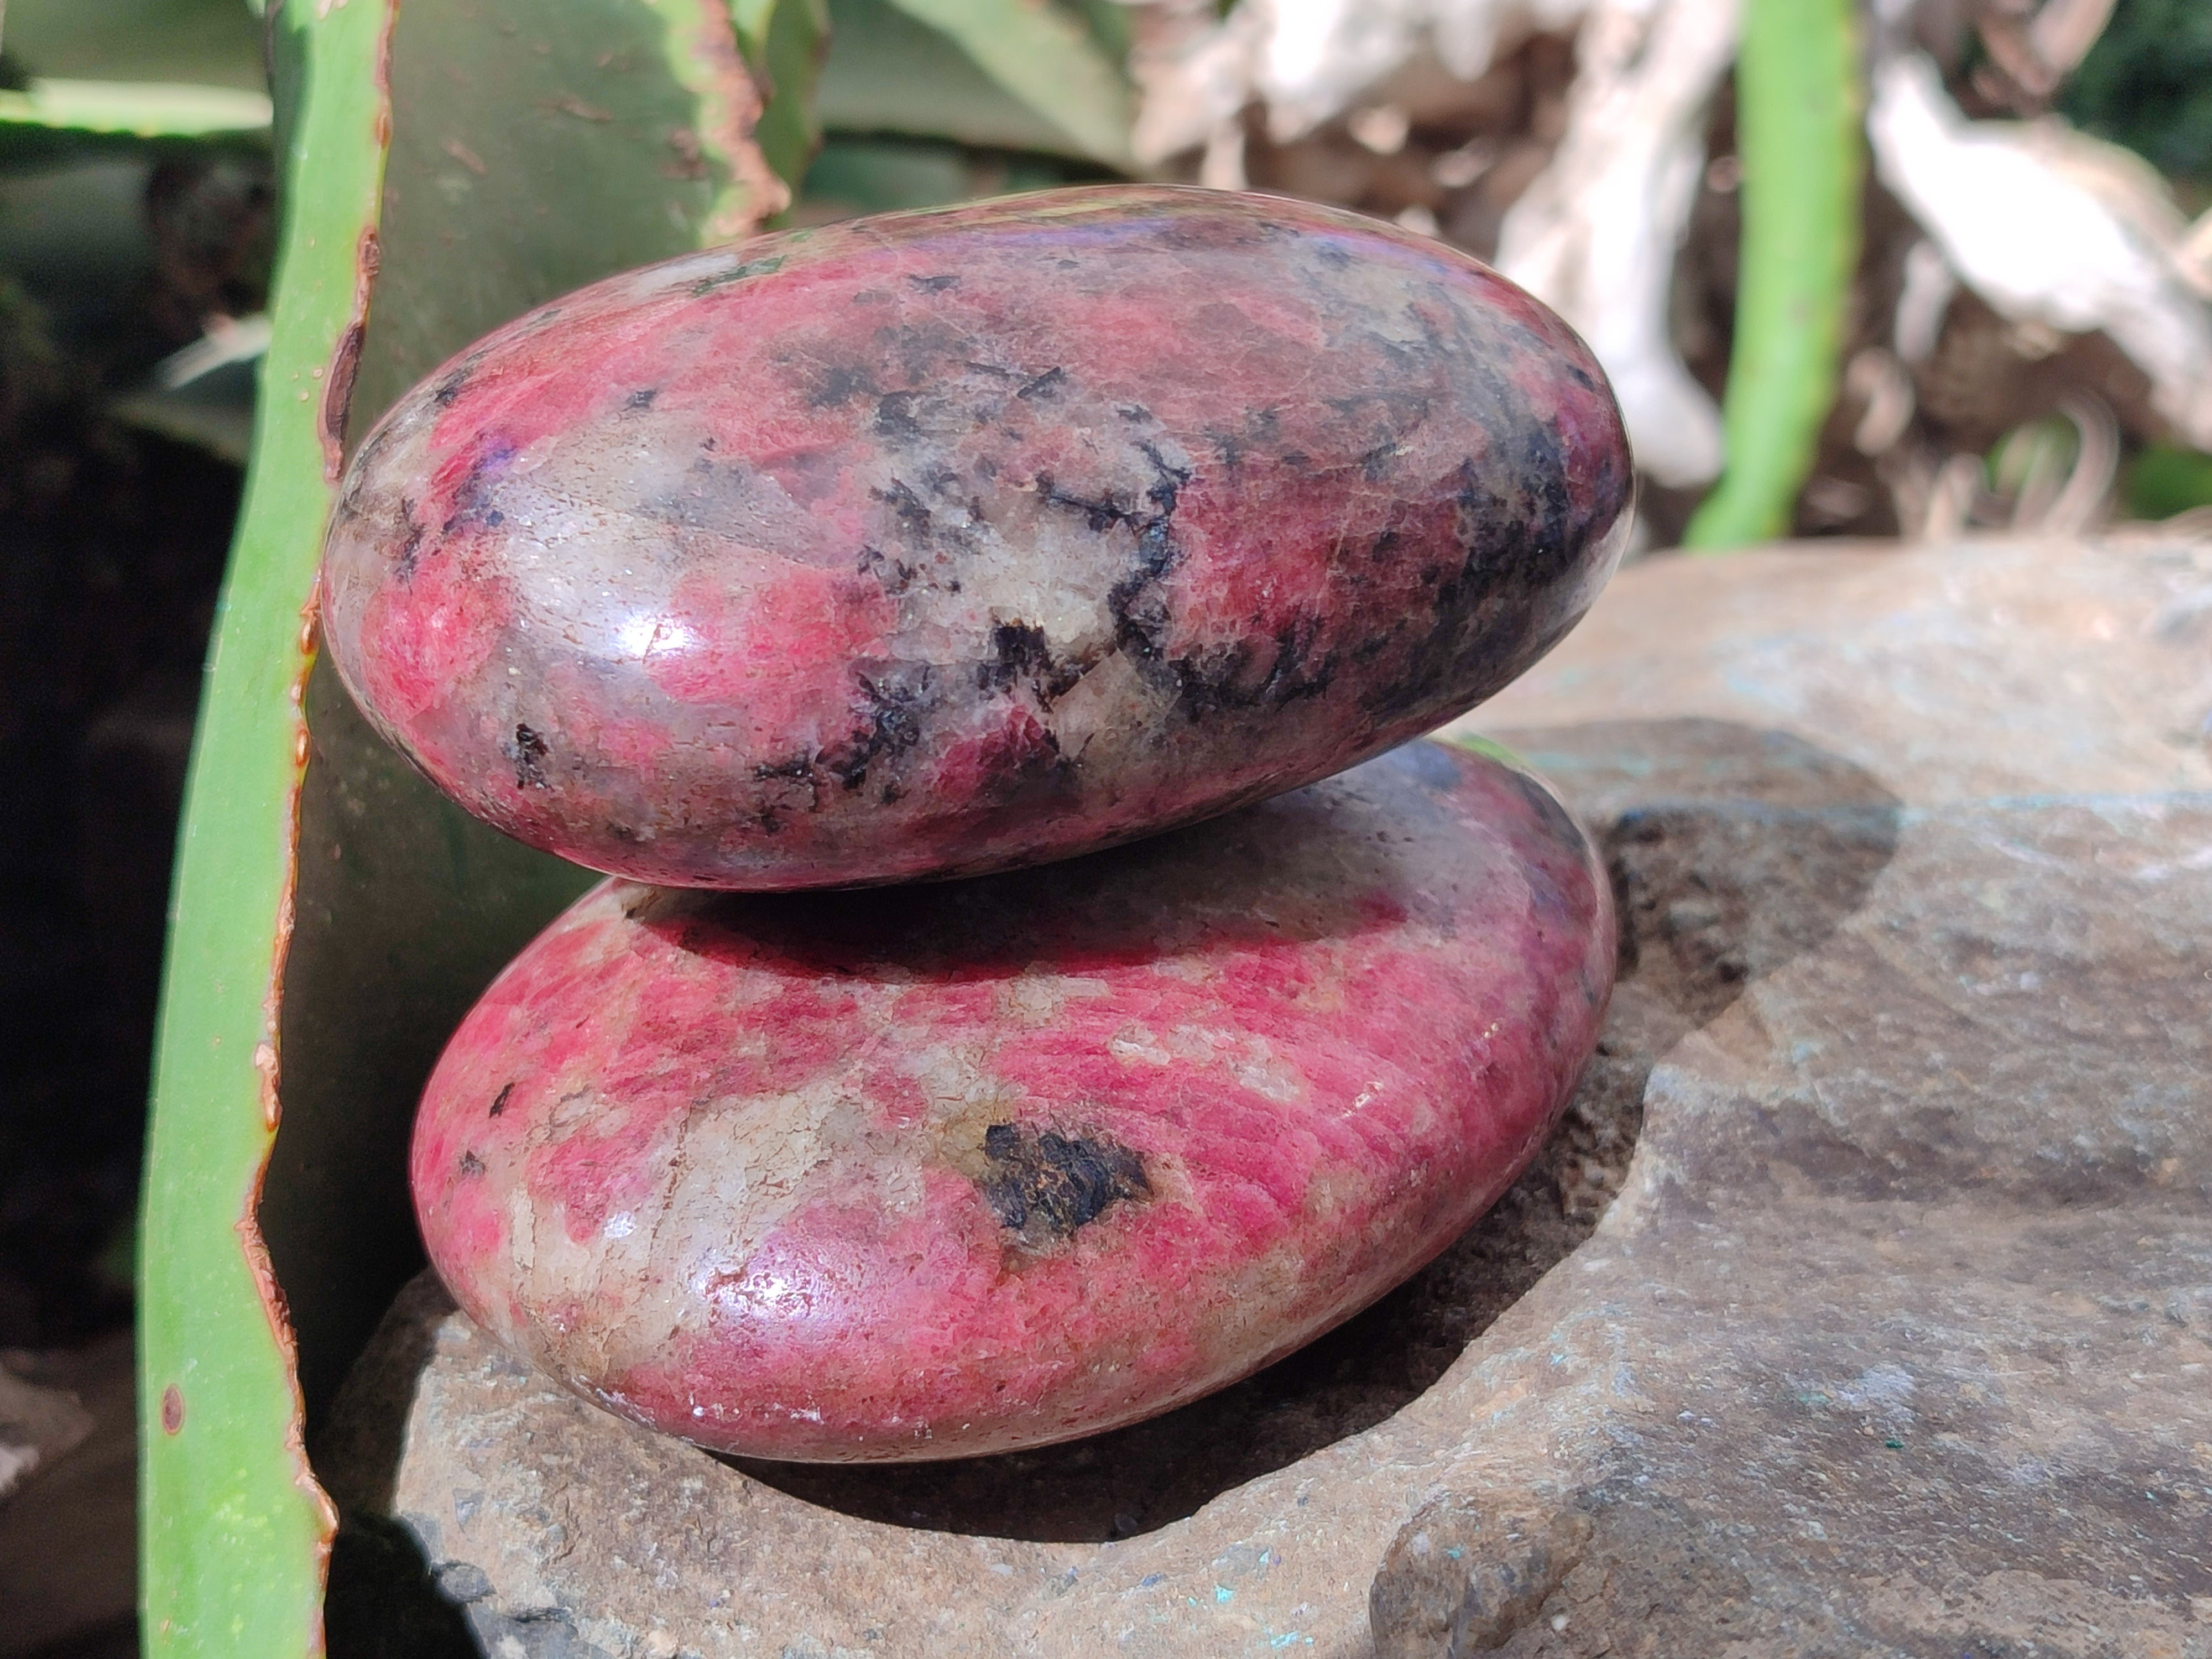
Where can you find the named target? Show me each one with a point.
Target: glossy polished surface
(946, 542)
(960, 1168)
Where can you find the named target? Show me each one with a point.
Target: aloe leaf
(1108, 22)
(536, 148)
(232, 1526)
(1798, 121)
(889, 73)
(853, 176)
(208, 42)
(530, 149)
(879, 175)
(786, 42)
(1047, 59)
(139, 109)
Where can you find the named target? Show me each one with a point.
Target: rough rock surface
(945, 541)
(965, 1167)
(1898, 1339)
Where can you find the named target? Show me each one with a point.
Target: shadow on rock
(1732, 850)
(383, 1601)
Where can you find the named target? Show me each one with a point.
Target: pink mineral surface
(947, 542)
(961, 1168)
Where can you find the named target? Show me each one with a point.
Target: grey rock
(1863, 1305)
(1463, 1579)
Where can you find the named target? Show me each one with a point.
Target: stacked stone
(1061, 544)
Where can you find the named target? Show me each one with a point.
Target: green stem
(1799, 99)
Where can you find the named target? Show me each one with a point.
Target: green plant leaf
(1799, 98)
(231, 1525)
(208, 42)
(139, 109)
(1045, 58)
(787, 41)
(1108, 22)
(881, 176)
(889, 73)
(2167, 479)
(530, 149)
(537, 148)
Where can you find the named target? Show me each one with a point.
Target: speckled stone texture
(1898, 1340)
(974, 1166)
(946, 542)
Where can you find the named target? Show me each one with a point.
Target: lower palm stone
(942, 1170)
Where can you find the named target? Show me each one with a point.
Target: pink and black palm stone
(949, 542)
(959, 1168)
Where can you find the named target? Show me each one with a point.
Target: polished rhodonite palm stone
(953, 1168)
(952, 541)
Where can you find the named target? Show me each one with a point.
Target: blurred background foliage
(2148, 84)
